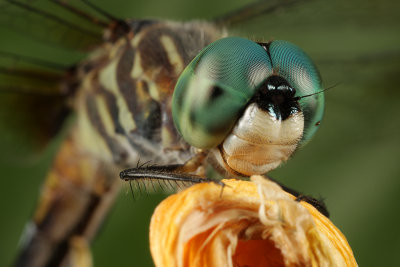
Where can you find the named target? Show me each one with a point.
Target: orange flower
(253, 223)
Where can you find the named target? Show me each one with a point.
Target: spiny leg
(178, 174)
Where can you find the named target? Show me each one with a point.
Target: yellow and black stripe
(124, 103)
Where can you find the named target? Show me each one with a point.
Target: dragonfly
(254, 22)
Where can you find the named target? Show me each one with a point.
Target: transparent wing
(41, 42)
(49, 23)
(32, 106)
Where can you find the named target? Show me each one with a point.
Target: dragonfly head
(243, 101)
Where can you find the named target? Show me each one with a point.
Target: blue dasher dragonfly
(301, 25)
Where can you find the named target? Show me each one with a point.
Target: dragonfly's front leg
(178, 173)
(75, 198)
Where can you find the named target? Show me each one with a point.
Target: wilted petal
(253, 223)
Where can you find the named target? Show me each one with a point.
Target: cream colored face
(259, 142)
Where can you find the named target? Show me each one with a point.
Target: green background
(353, 161)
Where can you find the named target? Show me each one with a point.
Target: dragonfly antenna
(321, 91)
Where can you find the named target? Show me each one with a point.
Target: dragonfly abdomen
(124, 102)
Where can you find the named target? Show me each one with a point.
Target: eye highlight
(216, 87)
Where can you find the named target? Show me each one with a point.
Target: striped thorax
(124, 103)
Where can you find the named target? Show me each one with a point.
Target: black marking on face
(276, 97)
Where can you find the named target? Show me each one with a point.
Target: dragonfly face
(241, 100)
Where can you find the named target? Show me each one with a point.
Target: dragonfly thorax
(124, 102)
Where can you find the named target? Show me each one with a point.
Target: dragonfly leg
(177, 173)
(317, 203)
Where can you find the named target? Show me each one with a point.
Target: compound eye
(294, 65)
(215, 87)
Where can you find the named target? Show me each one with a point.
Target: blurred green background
(353, 162)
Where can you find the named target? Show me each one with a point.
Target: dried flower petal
(253, 223)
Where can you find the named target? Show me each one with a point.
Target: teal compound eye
(294, 65)
(216, 87)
